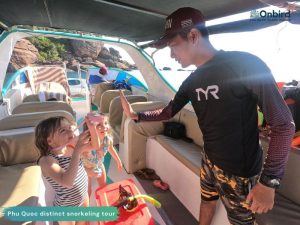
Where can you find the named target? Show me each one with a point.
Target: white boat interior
(140, 145)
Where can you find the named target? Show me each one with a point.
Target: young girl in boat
(102, 142)
(61, 162)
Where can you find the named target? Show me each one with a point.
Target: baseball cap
(103, 70)
(180, 20)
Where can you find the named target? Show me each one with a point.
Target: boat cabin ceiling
(109, 17)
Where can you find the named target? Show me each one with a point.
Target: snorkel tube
(130, 203)
(146, 197)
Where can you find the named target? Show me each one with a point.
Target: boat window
(125, 57)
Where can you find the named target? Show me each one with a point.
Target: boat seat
(116, 113)
(135, 136)
(184, 158)
(30, 119)
(28, 107)
(31, 98)
(107, 97)
(19, 174)
(285, 211)
(116, 130)
(17, 146)
(187, 153)
(99, 90)
(287, 199)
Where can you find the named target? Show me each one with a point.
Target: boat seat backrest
(99, 90)
(30, 119)
(28, 107)
(190, 120)
(31, 98)
(290, 185)
(17, 147)
(116, 110)
(107, 97)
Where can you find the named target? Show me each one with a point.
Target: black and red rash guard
(225, 92)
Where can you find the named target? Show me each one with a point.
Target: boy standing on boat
(225, 90)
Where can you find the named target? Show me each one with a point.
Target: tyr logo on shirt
(212, 89)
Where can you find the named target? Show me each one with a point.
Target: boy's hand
(127, 107)
(262, 198)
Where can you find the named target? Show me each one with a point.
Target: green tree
(49, 50)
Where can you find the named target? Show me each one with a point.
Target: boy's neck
(206, 53)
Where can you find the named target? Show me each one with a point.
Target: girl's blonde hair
(109, 132)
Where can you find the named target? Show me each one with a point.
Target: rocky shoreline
(84, 53)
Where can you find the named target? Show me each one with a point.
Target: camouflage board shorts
(231, 189)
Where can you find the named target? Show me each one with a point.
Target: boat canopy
(111, 18)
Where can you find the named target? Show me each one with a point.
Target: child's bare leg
(66, 222)
(86, 203)
(102, 179)
(89, 186)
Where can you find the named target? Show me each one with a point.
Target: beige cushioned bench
(187, 153)
(137, 134)
(19, 174)
(133, 147)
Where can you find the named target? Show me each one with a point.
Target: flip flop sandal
(151, 174)
(142, 175)
(148, 171)
(160, 184)
(154, 176)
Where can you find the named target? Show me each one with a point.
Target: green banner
(21, 213)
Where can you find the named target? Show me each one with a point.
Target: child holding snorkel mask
(61, 163)
(102, 143)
